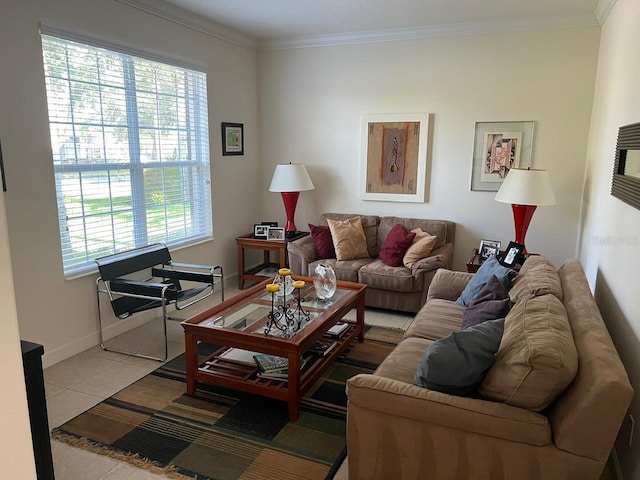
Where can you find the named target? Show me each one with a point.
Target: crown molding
(603, 8)
(433, 31)
(174, 14)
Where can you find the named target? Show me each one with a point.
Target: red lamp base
(522, 215)
(290, 200)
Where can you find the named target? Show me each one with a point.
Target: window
(130, 151)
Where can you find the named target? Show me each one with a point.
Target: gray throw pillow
(489, 267)
(458, 363)
(491, 302)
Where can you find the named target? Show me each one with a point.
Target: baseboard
(90, 340)
(79, 345)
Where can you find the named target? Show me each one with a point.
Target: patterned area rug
(224, 434)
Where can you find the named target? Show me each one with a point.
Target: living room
(305, 105)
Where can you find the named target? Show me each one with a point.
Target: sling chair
(161, 288)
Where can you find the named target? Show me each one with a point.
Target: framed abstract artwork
(497, 148)
(393, 158)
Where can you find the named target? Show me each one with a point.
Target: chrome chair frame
(162, 288)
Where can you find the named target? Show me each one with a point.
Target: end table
(248, 241)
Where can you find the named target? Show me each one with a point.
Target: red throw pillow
(395, 245)
(322, 239)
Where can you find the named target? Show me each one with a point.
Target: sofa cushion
(537, 358)
(536, 277)
(322, 240)
(420, 248)
(441, 229)
(396, 245)
(436, 319)
(458, 363)
(377, 274)
(489, 267)
(348, 238)
(346, 270)
(491, 302)
(401, 363)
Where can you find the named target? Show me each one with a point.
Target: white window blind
(130, 151)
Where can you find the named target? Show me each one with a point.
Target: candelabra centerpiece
(284, 316)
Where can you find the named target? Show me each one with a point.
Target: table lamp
(290, 180)
(525, 190)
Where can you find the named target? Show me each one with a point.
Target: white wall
(60, 313)
(312, 100)
(16, 451)
(610, 245)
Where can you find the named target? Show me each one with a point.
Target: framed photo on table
(260, 231)
(497, 148)
(488, 248)
(512, 254)
(232, 138)
(276, 233)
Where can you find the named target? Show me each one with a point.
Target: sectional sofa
(549, 408)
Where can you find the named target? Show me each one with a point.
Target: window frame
(193, 167)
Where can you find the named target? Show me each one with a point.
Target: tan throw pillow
(537, 358)
(348, 238)
(420, 248)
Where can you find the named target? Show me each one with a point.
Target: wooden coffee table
(239, 323)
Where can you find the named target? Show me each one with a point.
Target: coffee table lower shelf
(217, 370)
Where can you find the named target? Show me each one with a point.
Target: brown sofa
(395, 288)
(398, 430)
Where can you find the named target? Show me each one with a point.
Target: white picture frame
(393, 157)
(519, 138)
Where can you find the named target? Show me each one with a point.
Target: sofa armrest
(391, 398)
(448, 285)
(301, 253)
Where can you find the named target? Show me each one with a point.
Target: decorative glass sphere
(324, 281)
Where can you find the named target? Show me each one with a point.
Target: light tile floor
(84, 380)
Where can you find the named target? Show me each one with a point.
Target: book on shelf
(270, 363)
(338, 330)
(282, 374)
(246, 357)
(323, 346)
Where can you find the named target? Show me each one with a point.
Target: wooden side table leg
(191, 360)
(240, 267)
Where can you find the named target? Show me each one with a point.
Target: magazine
(338, 329)
(323, 346)
(270, 363)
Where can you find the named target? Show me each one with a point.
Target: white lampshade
(526, 187)
(292, 177)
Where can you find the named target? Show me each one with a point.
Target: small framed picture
(512, 255)
(270, 224)
(488, 248)
(232, 139)
(276, 233)
(260, 231)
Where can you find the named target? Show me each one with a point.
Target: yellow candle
(284, 272)
(272, 287)
(298, 284)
